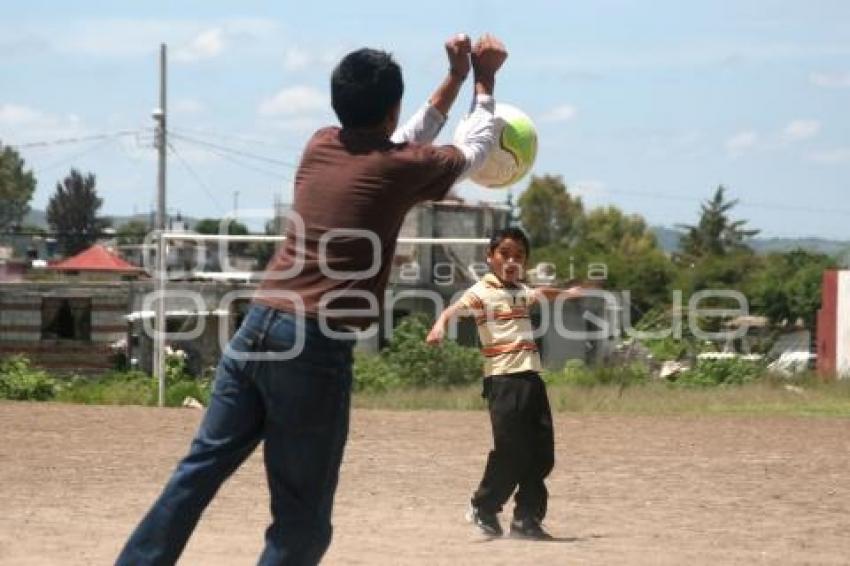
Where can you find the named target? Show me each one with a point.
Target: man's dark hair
(365, 86)
(512, 233)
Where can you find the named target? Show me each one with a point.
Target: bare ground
(74, 480)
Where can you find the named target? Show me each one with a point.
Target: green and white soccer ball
(515, 151)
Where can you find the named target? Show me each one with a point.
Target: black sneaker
(529, 528)
(487, 523)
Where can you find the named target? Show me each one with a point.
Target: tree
(72, 212)
(607, 228)
(16, 188)
(548, 213)
(789, 286)
(213, 226)
(263, 251)
(715, 234)
(133, 232)
(620, 247)
(234, 228)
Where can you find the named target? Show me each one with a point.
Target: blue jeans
(299, 408)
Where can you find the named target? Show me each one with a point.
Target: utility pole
(159, 115)
(235, 205)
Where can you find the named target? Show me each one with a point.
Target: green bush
(409, 362)
(20, 382)
(114, 388)
(132, 388)
(669, 348)
(177, 391)
(179, 384)
(575, 372)
(175, 366)
(726, 371)
(373, 373)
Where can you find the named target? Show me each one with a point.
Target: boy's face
(507, 260)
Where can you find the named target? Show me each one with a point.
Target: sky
(647, 106)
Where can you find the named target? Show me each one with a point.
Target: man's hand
(488, 55)
(458, 49)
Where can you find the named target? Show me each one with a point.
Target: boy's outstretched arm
(438, 331)
(426, 123)
(552, 293)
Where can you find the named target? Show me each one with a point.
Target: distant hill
(829, 247)
(39, 218)
(36, 218)
(668, 239)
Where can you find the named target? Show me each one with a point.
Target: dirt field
(626, 490)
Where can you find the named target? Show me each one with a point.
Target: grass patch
(751, 399)
(764, 398)
(112, 389)
(467, 398)
(130, 388)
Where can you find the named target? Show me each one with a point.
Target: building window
(66, 318)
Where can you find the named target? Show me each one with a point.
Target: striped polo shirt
(504, 326)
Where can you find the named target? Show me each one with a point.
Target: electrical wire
(73, 140)
(197, 177)
(273, 174)
(241, 138)
(66, 160)
(238, 152)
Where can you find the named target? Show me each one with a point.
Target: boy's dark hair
(512, 233)
(365, 86)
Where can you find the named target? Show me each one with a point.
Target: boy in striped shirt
(524, 449)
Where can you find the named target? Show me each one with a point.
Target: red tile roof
(96, 258)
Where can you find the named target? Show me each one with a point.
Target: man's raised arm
(426, 123)
(479, 135)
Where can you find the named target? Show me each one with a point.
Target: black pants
(523, 445)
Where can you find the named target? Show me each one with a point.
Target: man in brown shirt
(353, 188)
(285, 376)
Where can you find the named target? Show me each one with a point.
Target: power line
(239, 152)
(68, 159)
(197, 177)
(242, 138)
(273, 174)
(73, 140)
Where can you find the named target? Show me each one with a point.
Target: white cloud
(741, 142)
(562, 113)
(798, 130)
(832, 156)
(124, 38)
(296, 59)
(830, 80)
(206, 45)
(23, 124)
(188, 106)
(294, 100)
(13, 115)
